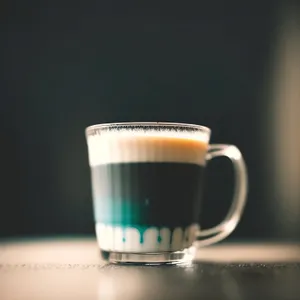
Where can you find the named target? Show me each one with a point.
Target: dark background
(67, 65)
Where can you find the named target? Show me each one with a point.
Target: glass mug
(147, 181)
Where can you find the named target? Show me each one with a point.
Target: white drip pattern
(128, 239)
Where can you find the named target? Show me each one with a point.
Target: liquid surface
(134, 146)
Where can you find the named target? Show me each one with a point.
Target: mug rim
(100, 126)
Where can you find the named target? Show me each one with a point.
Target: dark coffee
(146, 190)
(147, 194)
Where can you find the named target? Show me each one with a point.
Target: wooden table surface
(70, 268)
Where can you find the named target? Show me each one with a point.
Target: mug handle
(225, 228)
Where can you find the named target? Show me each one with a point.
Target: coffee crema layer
(147, 146)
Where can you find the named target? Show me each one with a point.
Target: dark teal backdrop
(67, 65)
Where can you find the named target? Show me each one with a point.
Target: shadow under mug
(147, 181)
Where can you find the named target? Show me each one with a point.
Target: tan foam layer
(125, 147)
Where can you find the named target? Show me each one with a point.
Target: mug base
(162, 258)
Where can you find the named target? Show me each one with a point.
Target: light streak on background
(282, 151)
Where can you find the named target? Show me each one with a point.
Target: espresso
(146, 189)
(147, 193)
